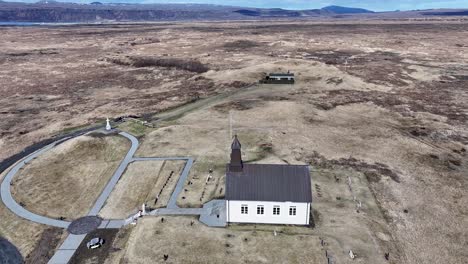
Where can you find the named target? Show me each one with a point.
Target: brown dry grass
(200, 244)
(359, 140)
(335, 219)
(22, 233)
(141, 183)
(67, 180)
(201, 189)
(359, 102)
(132, 190)
(61, 78)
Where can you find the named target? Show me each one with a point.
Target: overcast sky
(376, 5)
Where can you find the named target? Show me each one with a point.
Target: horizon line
(222, 5)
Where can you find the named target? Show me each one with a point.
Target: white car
(95, 243)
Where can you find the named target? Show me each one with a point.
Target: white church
(266, 193)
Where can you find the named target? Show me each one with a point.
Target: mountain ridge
(346, 10)
(50, 11)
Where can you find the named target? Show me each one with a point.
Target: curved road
(16, 208)
(9, 201)
(71, 243)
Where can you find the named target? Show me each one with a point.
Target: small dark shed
(279, 78)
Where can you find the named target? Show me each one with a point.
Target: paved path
(72, 242)
(117, 174)
(172, 203)
(67, 249)
(209, 214)
(177, 211)
(10, 202)
(212, 214)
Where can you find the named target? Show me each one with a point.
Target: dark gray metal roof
(269, 182)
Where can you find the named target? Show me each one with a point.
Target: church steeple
(236, 164)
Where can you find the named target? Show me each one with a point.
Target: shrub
(240, 44)
(182, 64)
(142, 62)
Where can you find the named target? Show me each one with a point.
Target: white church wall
(235, 215)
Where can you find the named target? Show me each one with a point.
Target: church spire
(236, 164)
(235, 143)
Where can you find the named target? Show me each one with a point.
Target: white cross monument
(108, 126)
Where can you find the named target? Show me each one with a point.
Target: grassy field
(151, 240)
(335, 221)
(134, 127)
(293, 134)
(142, 182)
(66, 181)
(25, 235)
(387, 110)
(201, 186)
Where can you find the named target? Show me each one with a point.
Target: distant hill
(446, 13)
(51, 11)
(346, 10)
(278, 12)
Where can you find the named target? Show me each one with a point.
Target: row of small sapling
(144, 207)
(163, 187)
(208, 179)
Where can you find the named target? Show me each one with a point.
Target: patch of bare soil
(377, 67)
(116, 254)
(373, 172)
(237, 105)
(437, 98)
(331, 57)
(99, 255)
(46, 246)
